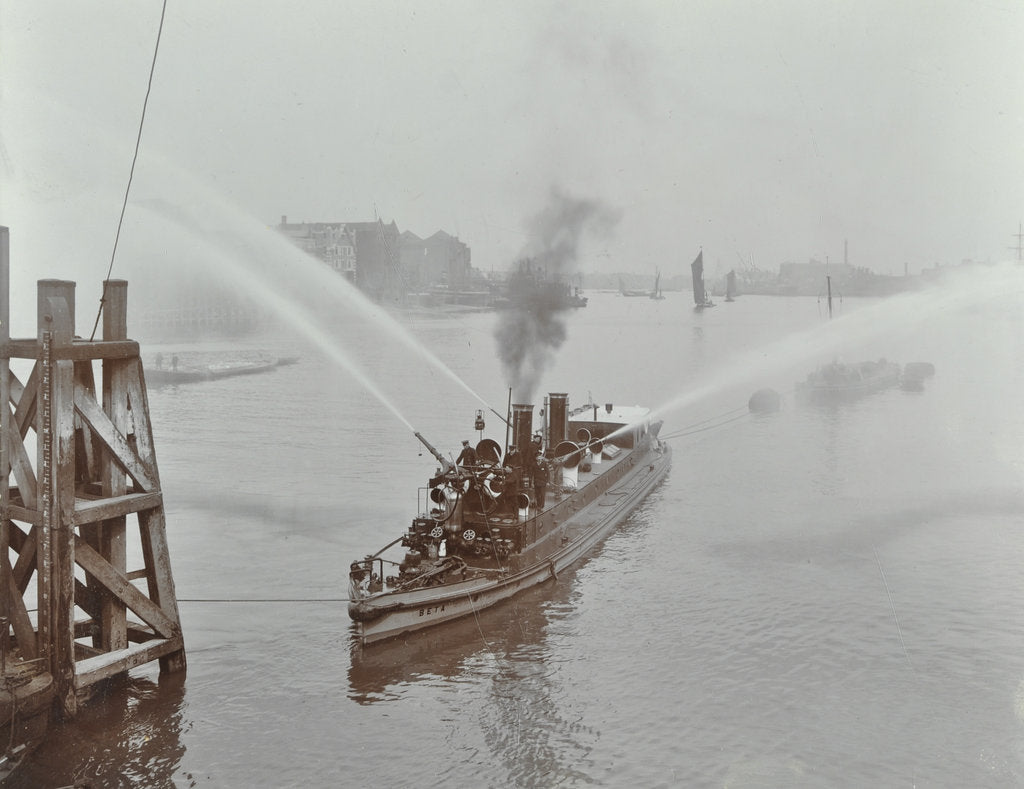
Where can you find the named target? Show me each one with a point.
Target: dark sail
(697, 267)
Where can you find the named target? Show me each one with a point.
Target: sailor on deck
(540, 480)
(467, 457)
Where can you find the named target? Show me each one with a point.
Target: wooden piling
(95, 472)
(5, 462)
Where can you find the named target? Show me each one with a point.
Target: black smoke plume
(534, 326)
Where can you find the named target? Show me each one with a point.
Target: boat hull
(398, 613)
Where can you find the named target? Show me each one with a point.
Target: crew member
(510, 487)
(540, 480)
(467, 457)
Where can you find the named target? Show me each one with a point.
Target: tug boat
(495, 522)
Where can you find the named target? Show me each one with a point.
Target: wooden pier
(72, 613)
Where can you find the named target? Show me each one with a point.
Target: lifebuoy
(469, 535)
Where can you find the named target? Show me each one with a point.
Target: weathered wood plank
(25, 413)
(140, 633)
(114, 440)
(26, 563)
(115, 405)
(93, 670)
(78, 351)
(24, 515)
(15, 388)
(138, 399)
(150, 613)
(63, 535)
(87, 449)
(24, 634)
(88, 598)
(21, 466)
(91, 511)
(158, 560)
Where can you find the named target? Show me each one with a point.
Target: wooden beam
(138, 399)
(23, 630)
(63, 534)
(150, 613)
(93, 670)
(114, 440)
(157, 556)
(15, 388)
(91, 511)
(24, 475)
(115, 406)
(78, 351)
(83, 652)
(153, 534)
(139, 634)
(88, 448)
(88, 598)
(24, 515)
(26, 563)
(25, 412)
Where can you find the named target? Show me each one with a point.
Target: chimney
(557, 424)
(522, 427)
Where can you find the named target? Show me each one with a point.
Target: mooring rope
(131, 173)
(263, 599)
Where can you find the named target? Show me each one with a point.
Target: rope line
(131, 174)
(263, 599)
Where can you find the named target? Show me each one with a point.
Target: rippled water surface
(826, 596)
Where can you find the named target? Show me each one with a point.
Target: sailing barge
(495, 522)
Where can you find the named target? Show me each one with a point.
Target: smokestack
(284, 220)
(522, 427)
(558, 407)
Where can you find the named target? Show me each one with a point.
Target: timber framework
(70, 606)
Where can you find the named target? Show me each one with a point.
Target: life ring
(436, 532)
(469, 535)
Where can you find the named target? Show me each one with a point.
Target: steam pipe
(446, 465)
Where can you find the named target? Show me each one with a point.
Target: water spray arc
(296, 312)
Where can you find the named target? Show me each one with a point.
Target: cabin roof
(619, 414)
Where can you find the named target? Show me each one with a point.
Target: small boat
(730, 286)
(493, 523)
(656, 293)
(193, 371)
(837, 380)
(701, 298)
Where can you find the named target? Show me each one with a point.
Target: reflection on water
(502, 659)
(129, 737)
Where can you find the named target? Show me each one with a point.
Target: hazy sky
(768, 130)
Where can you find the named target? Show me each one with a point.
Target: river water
(829, 595)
